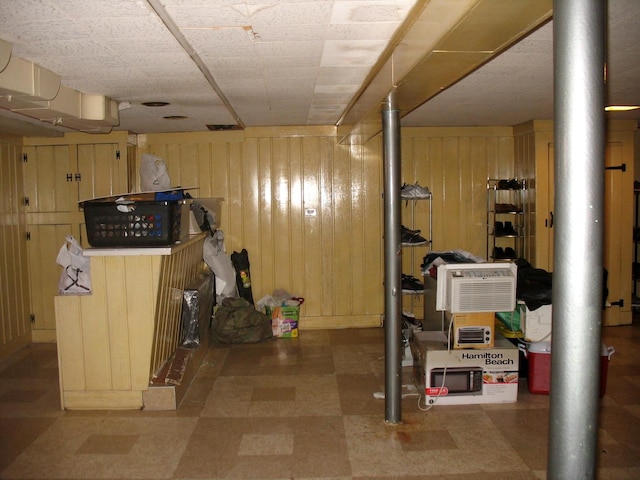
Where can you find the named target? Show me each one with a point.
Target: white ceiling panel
(282, 62)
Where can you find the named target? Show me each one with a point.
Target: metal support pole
(392, 260)
(579, 130)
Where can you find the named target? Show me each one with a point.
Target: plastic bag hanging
(75, 278)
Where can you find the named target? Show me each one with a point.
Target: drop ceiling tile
(222, 42)
(351, 74)
(94, 9)
(361, 31)
(291, 73)
(290, 62)
(371, 11)
(337, 53)
(271, 33)
(224, 65)
(295, 13)
(203, 16)
(336, 89)
(42, 10)
(276, 49)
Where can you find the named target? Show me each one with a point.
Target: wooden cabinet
(112, 341)
(58, 173)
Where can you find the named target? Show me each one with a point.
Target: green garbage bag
(238, 321)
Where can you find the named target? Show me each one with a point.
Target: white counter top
(131, 251)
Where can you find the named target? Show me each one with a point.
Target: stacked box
(460, 377)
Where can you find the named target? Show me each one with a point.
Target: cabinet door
(103, 171)
(43, 246)
(49, 176)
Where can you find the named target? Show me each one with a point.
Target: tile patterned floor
(300, 409)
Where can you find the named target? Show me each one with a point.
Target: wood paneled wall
(269, 178)
(14, 287)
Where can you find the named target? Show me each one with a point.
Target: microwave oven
(455, 381)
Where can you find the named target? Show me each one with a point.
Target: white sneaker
(414, 191)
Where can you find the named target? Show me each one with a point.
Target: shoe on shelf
(498, 229)
(498, 253)
(507, 208)
(414, 191)
(409, 231)
(412, 240)
(411, 284)
(411, 322)
(509, 230)
(509, 253)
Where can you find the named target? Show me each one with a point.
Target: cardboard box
(472, 330)
(536, 324)
(284, 320)
(462, 377)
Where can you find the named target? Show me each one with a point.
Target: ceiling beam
(440, 44)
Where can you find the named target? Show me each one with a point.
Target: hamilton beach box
(461, 377)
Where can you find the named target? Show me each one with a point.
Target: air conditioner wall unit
(476, 287)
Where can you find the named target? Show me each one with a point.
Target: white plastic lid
(539, 347)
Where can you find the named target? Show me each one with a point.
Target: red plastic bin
(539, 374)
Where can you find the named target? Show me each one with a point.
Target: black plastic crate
(132, 224)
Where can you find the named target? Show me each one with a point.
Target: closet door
(618, 234)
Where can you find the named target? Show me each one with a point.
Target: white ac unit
(477, 287)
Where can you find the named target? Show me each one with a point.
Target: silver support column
(392, 260)
(579, 56)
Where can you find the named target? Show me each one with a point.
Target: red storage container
(539, 375)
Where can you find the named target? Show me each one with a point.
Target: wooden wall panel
(15, 328)
(455, 163)
(269, 177)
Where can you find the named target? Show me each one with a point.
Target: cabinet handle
(69, 177)
(78, 177)
(551, 221)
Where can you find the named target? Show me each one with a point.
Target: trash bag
(237, 321)
(243, 274)
(153, 174)
(75, 278)
(215, 255)
(534, 285)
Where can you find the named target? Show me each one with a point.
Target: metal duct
(5, 54)
(27, 81)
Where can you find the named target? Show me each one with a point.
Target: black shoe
(411, 284)
(498, 229)
(498, 253)
(412, 240)
(514, 184)
(507, 208)
(509, 253)
(509, 230)
(409, 231)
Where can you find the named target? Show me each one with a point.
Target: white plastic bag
(219, 262)
(153, 174)
(75, 278)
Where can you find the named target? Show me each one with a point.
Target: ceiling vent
(218, 128)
